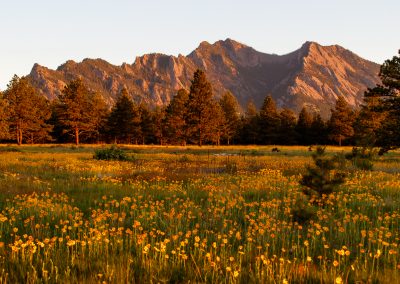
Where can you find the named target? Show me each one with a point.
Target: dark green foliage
(200, 114)
(25, 112)
(124, 120)
(318, 131)
(76, 110)
(322, 178)
(287, 133)
(269, 122)
(302, 212)
(230, 109)
(249, 131)
(303, 127)
(174, 123)
(341, 121)
(388, 93)
(362, 158)
(111, 154)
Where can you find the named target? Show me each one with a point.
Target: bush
(323, 178)
(362, 158)
(111, 154)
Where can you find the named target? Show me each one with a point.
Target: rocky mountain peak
(314, 75)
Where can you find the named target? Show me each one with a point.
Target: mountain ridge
(313, 75)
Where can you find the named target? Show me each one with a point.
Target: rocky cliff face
(313, 75)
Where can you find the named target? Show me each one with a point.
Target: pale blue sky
(50, 32)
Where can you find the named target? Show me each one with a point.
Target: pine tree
(26, 110)
(174, 122)
(146, 124)
(217, 124)
(269, 121)
(303, 127)
(99, 113)
(230, 108)
(287, 133)
(39, 129)
(75, 108)
(322, 178)
(388, 136)
(4, 116)
(341, 121)
(158, 119)
(368, 122)
(124, 120)
(250, 126)
(318, 130)
(199, 108)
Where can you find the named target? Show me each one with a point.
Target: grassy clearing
(180, 214)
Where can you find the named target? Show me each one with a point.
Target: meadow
(190, 214)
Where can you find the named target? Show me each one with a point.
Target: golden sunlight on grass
(180, 214)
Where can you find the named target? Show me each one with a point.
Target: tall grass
(191, 215)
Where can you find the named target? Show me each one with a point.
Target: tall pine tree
(174, 122)
(230, 109)
(269, 122)
(27, 111)
(199, 108)
(388, 93)
(74, 110)
(124, 120)
(341, 121)
(303, 127)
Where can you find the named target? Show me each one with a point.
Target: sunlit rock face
(312, 76)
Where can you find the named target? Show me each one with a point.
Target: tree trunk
(200, 138)
(20, 136)
(17, 134)
(76, 136)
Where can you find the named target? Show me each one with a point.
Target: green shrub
(362, 158)
(111, 154)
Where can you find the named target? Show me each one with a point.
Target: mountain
(312, 76)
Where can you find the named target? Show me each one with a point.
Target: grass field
(190, 214)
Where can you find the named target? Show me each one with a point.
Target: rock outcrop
(312, 76)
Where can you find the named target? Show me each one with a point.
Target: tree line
(194, 116)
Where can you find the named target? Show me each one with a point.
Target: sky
(50, 32)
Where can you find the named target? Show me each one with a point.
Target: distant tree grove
(195, 116)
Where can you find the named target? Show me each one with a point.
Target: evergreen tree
(388, 136)
(4, 116)
(303, 127)
(287, 133)
(217, 124)
(124, 120)
(158, 119)
(146, 123)
(174, 122)
(39, 130)
(74, 110)
(341, 121)
(249, 131)
(26, 110)
(368, 122)
(269, 122)
(99, 113)
(199, 108)
(318, 130)
(230, 109)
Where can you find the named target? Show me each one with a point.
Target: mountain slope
(313, 75)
